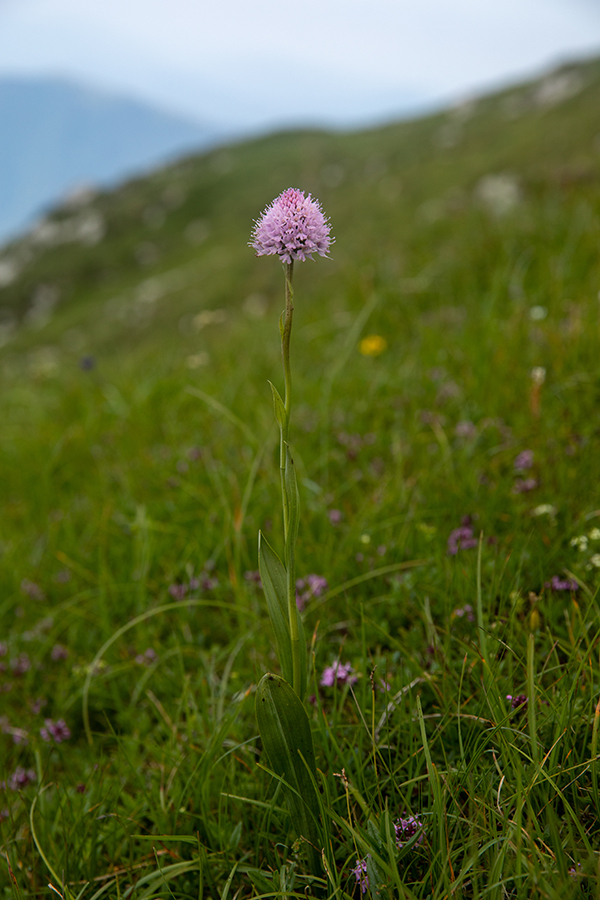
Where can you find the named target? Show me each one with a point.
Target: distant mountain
(56, 136)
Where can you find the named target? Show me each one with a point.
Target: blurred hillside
(128, 264)
(57, 136)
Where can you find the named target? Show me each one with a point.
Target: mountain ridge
(58, 135)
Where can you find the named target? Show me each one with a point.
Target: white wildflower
(544, 509)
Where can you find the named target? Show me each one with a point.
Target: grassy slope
(119, 482)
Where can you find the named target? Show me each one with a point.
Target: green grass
(158, 465)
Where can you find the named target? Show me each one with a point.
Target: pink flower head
(293, 227)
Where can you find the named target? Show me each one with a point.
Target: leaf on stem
(274, 581)
(287, 739)
(279, 408)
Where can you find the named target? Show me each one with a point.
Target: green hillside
(138, 461)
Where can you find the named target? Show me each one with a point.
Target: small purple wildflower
(466, 611)
(466, 430)
(37, 705)
(561, 584)
(20, 778)
(517, 701)
(338, 673)
(33, 590)
(524, 485)
(253, 577)
(461, 538)
(58, 731)
(293, 227)
(309, 588)
(147, 657)
(406, 829)
(208, 583)
(59, 652)
(20, 664)
(360, 873)
(335, 516)
(178, 591)
(523, 461)
(63, 576)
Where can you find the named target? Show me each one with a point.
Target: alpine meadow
(404, 700)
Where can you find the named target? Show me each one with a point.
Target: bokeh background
(93, 92)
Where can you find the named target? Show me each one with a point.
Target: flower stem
(286, 331)
(285, 340)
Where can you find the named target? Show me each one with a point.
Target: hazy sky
(274, 61)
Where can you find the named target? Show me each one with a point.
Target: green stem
(286, 332)
(285, 339)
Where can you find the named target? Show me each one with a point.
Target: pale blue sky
(266, 62)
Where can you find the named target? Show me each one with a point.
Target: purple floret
(293, 227)
(523, 461)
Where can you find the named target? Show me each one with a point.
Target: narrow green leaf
(274, 581)
(287, 739)
(279, 408)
